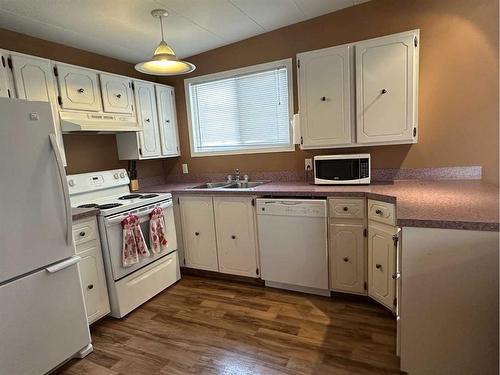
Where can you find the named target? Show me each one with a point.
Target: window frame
(286, 63)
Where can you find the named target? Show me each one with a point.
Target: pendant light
(164, 62)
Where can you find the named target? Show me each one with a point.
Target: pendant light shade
(164, 61)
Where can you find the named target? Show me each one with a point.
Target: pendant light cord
(161, 27)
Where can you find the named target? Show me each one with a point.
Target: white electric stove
(109, 191)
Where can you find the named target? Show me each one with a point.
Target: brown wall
(84, 153)
(458, 109)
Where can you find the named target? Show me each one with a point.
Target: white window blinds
(246, 111)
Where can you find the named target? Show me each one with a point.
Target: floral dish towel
(134, 246)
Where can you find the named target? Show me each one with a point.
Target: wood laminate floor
(206, 326)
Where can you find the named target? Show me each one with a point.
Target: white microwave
(342, 169)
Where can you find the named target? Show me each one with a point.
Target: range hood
(72, 122)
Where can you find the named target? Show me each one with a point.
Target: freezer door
(42, 320)
(35, 228)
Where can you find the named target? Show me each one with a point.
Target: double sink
(230, 185)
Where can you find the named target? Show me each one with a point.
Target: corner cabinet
(386, 89)
(155, 107)
(220, 234)
(325, 100)
(381, 108)
(91, 268)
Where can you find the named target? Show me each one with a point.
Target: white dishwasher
(293, 244)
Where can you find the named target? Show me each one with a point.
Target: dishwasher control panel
(292, 207)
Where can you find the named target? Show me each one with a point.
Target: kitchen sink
(211, 185)
(230, 185)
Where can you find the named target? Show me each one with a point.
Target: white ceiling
(124, 29)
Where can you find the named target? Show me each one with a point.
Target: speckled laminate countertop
(453, 204)
(81, 213)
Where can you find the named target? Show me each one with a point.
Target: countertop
(81, 213)
(451, 204)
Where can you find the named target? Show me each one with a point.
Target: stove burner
(148, 196)
(88, 205)
(108, 205)
(130, 196)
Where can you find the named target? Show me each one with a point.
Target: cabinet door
(93, 284)
(325, 103)
(381, 264)
(235, 228)
(34, 81)
(198, 231)
(117, 94)
(347, 257)
(5, 90)
(78, 88)
(386, 89)
(167, 120)
(145, 104)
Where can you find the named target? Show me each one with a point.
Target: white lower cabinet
(236, 242)
(91, 268)
(382, 264)
(198, 232)
(219, 234)
(347, 245)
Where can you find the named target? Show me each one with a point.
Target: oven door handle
(141, 213)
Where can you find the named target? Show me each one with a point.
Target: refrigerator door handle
(64, 264)
(64, 186)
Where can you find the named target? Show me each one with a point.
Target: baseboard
(221, 276)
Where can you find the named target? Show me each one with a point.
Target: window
(244, 110)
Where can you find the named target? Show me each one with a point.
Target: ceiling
(124, 29)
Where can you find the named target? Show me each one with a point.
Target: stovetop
(108, 191)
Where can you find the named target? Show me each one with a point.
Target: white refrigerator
(42, 314)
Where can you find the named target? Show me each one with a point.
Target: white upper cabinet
(117, 96)
(167, 120)
(386, 89)
(78, 88)
(5, 89)
(325, 100)
(147, 116)
(34, 81)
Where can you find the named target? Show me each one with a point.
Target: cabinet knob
(345, 208)
(167, 121)
(346, 259)
(118, 96)
(90, 286)
(378, 212)
(196, 233)
(323, 98)
(383, 91)
(396, 275)
(148, 120)
(378, 266)
(233, 237)
(82, 234)
(80, 90)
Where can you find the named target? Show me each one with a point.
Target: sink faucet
(237, 175)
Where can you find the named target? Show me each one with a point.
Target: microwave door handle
(65, 190)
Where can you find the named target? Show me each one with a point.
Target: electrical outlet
(308, 164)
(185, 169)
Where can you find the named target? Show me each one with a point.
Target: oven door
(341, 171)
(114, 234)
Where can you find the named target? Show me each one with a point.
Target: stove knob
(71, 182)
(122, 175)
(116, 176)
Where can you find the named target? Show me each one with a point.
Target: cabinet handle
(323, 98)
(233, 237)
(378, 266)
(82, 234)
(346, 208)
(378, 212)
(346, 259)
(196, 233)
(80, 90)
(384, 91)
(90, 286)
(118, 96)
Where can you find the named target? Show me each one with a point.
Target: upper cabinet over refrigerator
(325, 97)
(386, 89)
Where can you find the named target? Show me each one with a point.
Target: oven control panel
(84, 182)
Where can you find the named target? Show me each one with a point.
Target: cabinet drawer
(382, 212)
(84, 231)
(347, 208)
